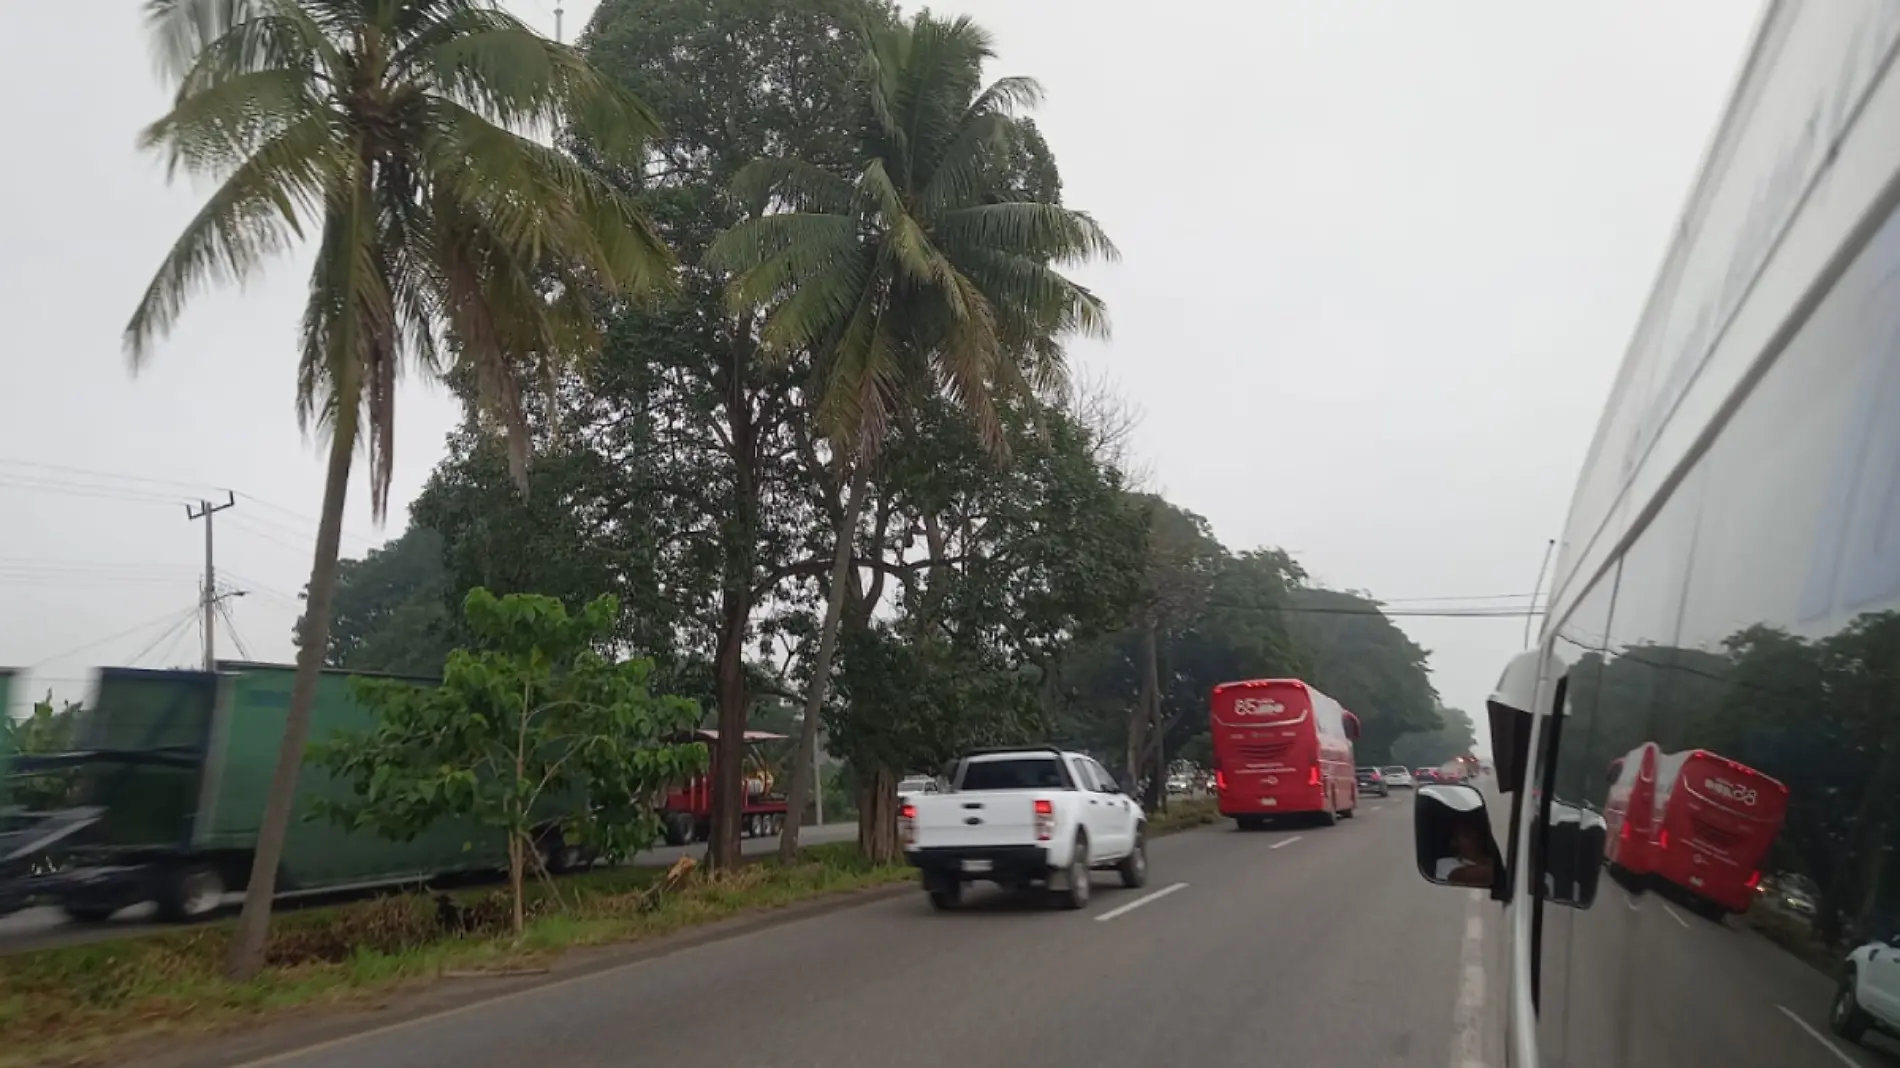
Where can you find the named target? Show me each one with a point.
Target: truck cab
(1024, 818)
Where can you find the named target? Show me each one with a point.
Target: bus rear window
(1014, 773)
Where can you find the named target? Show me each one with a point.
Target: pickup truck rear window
(1015, 773)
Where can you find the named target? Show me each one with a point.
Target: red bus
(1629, 812)
(1282, 747)
(1697, 820)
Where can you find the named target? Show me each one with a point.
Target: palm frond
(251, 217)
(196, 43)
(215, 130)
(774, 254)
(508, 73)
(1047, 232)
(798, 185)
(809, 318)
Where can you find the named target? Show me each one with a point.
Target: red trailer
(688, 809)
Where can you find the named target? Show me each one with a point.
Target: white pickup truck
(1020, 818)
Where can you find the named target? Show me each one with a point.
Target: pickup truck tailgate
(976, 818)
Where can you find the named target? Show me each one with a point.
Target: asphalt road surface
(39, 928)
(1307, 946)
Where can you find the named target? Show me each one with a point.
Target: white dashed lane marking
(1467, 1035)
(1140, 901)
(1286, 841)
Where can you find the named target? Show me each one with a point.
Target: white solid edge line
(1819, 1037)
(1673, 916)
(1140, 901)
(1286, 841)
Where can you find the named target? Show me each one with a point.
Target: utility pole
(209, 600)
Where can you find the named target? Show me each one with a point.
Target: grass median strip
(81, 1003)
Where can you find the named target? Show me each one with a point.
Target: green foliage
(1361, 659)
(920, 271)
(1454, 737)
(395, 131)
(389, 612)
(533, 712)
(46, 730)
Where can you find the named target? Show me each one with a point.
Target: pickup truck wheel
(1845, 1017)
(1076, 894)
(946, 895)
(1134, 866)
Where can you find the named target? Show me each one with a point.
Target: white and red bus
(1282, 747)
(1629, 812)
(1695, 819)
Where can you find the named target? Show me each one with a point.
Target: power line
(169, 617)
(176, 491)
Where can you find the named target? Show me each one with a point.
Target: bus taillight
(1663, 839)
(1312, 776)
(1754, 880)
(1220, 782)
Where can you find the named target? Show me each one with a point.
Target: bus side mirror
(1452, 838)
(1573, 855)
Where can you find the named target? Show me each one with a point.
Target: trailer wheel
(189, 892)
(678, 829)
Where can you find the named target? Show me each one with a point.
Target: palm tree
(449, 239)
(926, 273)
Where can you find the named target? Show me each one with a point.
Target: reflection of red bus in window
(1280, 747)
(1709, 823)
(1629, 812)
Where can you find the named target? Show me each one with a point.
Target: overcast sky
(1380, 262)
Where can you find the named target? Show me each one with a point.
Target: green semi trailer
(173, 768)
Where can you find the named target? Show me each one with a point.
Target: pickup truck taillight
(1045, 819)
(907, 824)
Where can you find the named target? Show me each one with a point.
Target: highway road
(1308, 946)
(39, 928)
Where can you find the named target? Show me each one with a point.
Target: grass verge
(74, 1004)
(1183, 815)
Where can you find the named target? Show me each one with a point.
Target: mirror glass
(1452, 837)
(1573, 855)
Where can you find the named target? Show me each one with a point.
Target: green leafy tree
(448, 238)
(389, 613)
(47, 729)
(922, 273)
(1454, 737)
(1360, 658)
(1019, 563)
(533, 712)
(710, 441)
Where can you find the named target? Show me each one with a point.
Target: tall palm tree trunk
(253, 931)
(821, 669)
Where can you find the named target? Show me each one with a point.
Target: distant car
(1399, 777)
(916, 786)
(1426, 775)
(1372, 781)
